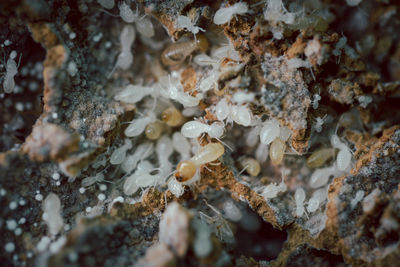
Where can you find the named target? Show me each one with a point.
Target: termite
(299, 197)
(186, 169)
(143, 151)
(140, 178)
(276, 151)
(344, 156)
(194, 129)
(319, 157)
(225, 14)
(11, 71)
(177, 53)
(88, 181)
(119, 155)
(252, 166)
(172, 116)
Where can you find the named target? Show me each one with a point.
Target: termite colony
(183, 127)
(180, 129)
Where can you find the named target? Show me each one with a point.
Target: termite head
(185, 171)
(202, 42)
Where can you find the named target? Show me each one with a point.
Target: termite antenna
(109, 13)
(245, 167)
(167, 177)
(224, 144)
(112, 71)
(19, 60)
(212, 207)
(312, 73)
(205, 166)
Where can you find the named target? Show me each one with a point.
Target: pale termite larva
(319, 157)
(277, 151)
(153, 130)
(252, 166)
(172, 117)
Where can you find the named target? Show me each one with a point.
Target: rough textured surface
(61, 124)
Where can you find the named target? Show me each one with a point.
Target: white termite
(317, 199)
(335, 142)
(252, 136)
(241, 115)
(343, 159)
(284, 133)
(344, 156)
(88, 181)
(194, 129)
(315, 101)
(232, 212)
(126, 13)
(119, 155)
(225, 14)
(222, 109)
(52, 213)
(125, 58)
(276, 12)
(299, 197)
(181, 145)
(269, 131)
(142, 152)
(164, 150)
(262, 153)
(272, 190)
(170, 87)
(11, 71)
(183, 22)
(140, 178)
(318, 123)
(321, 176)
(145, 27)
(209, 82)
(134, 93)
(225, 51)
(137, 126)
